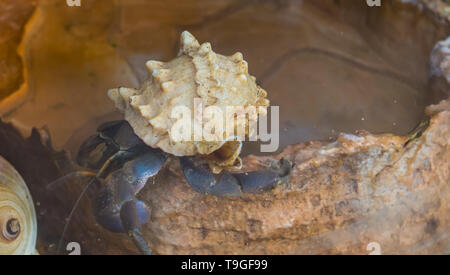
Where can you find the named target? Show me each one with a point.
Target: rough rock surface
(14, 15)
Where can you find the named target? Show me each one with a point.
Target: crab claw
(122, 185)
(257, 182)
(116, 207)
(94, 152)
(112, 137)
(128, 217)
(203, 181)
(226, 184)
(120, 133)
(108, 211)
(118, 210)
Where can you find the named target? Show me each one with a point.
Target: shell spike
(121, 96)
(243, 67)
(205, 48)
(237, 57)
(153, 65)
(167, 86)
(161, 74)
(188, 43)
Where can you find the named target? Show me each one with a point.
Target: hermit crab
(126, 154)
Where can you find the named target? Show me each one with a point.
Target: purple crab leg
(129, 215)
(233, 184)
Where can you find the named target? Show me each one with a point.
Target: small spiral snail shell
(18, 226)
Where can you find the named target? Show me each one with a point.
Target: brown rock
(15, 13)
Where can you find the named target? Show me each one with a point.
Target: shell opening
(226, 157)
(11, 229)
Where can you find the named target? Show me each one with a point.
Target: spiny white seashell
(18, 226)
(197, 72)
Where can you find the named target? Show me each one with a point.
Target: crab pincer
(112, 137)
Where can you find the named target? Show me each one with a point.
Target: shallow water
(331, 66)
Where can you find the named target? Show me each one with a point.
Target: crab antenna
(75, 206)
(63, 179)
(69, 218)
